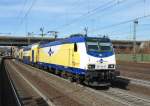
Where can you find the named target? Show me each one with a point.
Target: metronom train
(88, 60)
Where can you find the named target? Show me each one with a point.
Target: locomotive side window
(75, 47)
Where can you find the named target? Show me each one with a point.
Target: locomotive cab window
(75, 47)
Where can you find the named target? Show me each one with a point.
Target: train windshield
(98, 46)
(92, 46)
(105, 46)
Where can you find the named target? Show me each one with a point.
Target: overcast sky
(71, 16)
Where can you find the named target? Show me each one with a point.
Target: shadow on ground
(121, 83)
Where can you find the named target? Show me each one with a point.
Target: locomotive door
(32, 56)
(76, 57)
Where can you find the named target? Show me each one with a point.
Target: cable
(118, 11)
(93, 10)
(21, 11)
(109, 7)
(30, 8)
(23, 7)
(86, 14)
(123, 22)
(26, 14)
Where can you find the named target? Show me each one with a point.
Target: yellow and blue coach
(20, 54)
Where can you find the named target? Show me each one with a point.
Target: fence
(130, 57)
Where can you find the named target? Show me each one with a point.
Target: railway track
(8, 88)
(135, 70)
(137, 81)
(42, 87)
(34, 88)
(122, 97)
(127, 98)
(26, 93)
(73, 90)
(15, 93)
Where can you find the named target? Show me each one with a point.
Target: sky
(101, 17)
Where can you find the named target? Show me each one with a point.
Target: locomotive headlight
(111, 66)
(91, 66)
